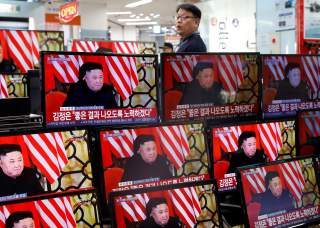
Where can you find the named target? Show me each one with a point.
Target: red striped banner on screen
(294, 178)
(255, 177)
(228, 137)
(134, 207)
(121, 143)
(182, 68)
(312, 121)
(123, 74)
(66, 67)
(4, 214)
(23, 48)
(3, 87)
(84, 46)
(175, 144)
(270, 134)
(125, 47)
(277, 65)
(230, 71)
(47, 153)
(186, 205)
(56, 212)
(311, 68)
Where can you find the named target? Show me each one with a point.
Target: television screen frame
(277, 219)
(254, 115)
(112, 197)
(290, 109)
(153, 112)
(50, 181)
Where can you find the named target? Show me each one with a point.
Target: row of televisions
(190, 169)
(136, 90)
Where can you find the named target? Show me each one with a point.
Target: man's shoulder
(27, 171)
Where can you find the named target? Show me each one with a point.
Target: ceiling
(166, 9)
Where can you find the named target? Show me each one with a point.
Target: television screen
(44, 162)
(93, 89)
(248, 144)
(120, 47)
(20, 49)
(206, 86)
(154, 156)
(285, 194)
(309, 132)
(77, 210)
(290, 83)
(14, 95)
(193, 206)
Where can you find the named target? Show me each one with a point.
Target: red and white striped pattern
(66, 67)
(125, 47)
(294, 178)
(228, 137)
(56, 212)
(123, 74)
(183, 67)
(312, 121)
(3, 87)
(121, 143)
(256, 179)
(48, 153)
(311, 68)
(277, 65)
(23, 48)
(134, 207)
(175, 144)
(230, 71)
(84, 46)
(4, 214)
(270, 134)
(186, 204)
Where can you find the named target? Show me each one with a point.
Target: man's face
(24, 223)
(160, 214)
(12, 164)
(94, 79)
(186, 23)
(294, 77)
(148, 151)
(275, 186)
(249, 146)
(205, 78)
(167, 50)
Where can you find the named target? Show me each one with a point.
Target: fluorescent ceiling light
(133, 19)
(116, 13)
(6, 8)
(157, 15)
(142, 23)
(138, 3)
(132, 15)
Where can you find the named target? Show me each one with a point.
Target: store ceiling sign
(68, 11)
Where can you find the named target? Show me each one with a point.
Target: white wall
(228, 25)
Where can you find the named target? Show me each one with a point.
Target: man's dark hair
(201, 66)
(245, 135)
(154, 202)
(15, 217)
(141, 139)
(190, 8)
(7, 148)
(290, 66)
(270, 175)
(88, 66)
(167, 45)
(104, 50)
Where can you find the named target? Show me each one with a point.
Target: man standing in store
(187, 22)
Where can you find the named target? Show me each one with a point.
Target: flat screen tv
(290, 83)
(210, 86)
(282, 194)
(183, 206)
(41, 162)
(99, 89)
